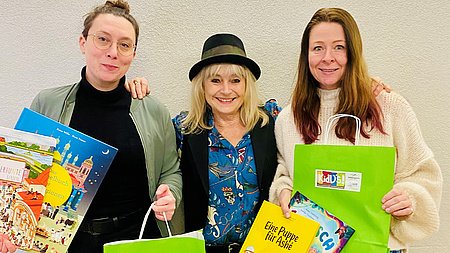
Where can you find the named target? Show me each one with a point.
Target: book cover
(25, 162)
(80, 164)
(272, 232)
(333, 233)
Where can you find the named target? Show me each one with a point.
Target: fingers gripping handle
(146, 218)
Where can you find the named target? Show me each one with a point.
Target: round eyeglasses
(103, 41)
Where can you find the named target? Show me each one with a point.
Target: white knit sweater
(416, 171)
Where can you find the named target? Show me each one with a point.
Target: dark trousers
(85, 242)
(231, 248)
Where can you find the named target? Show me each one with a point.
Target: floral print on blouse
(233, 184)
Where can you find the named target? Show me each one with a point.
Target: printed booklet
(333, 233)
(25, 163)
(272, 232)
(80, 164)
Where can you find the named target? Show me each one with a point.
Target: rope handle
(331, 120)
(146, 218)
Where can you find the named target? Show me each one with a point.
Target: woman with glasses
(145, 168)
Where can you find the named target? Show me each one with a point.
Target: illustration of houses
(77, 174)
(34, 190)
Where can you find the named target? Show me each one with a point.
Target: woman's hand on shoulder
(138, 87)
(378, 86)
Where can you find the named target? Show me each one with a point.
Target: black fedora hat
(224, 48)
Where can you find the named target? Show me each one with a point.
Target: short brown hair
(118, 8)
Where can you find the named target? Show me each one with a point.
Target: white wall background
(406, 43)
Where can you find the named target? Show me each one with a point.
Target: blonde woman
(227, 144)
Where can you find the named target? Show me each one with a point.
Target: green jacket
(153, 123)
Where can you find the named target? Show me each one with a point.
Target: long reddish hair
(355, 97)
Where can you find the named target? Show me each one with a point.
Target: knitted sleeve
(417, 173)
(282, 178)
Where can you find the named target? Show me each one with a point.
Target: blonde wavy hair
(250, 112)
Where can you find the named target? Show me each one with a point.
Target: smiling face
(327, 54)
(224, 91)
(105, 67)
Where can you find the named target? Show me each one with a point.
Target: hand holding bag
(349, 181)
(192, 242)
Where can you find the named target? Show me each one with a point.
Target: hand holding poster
(80, 164)
(25, 164)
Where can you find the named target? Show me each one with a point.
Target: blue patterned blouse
(233, 184)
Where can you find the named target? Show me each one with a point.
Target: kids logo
(339, 180)
(330, 179)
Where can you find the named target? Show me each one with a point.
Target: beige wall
(406, 43)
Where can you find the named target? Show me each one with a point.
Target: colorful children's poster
(25, 163)
(80, 164)
(273, 232)
(333, 233)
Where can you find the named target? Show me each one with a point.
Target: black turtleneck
(105, 116)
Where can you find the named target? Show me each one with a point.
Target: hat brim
(227, 58)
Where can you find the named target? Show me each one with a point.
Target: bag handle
(331, 120)
(146, 218)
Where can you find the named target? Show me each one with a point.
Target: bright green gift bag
(349, 181)
(185, 243)
(192, 242)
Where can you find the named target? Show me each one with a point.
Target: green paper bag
(187, 243)
(349, 181)
(192, 242)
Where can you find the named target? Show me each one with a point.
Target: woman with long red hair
(332, 78)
